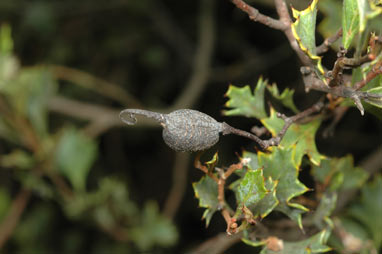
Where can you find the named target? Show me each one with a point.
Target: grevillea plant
(266, 179)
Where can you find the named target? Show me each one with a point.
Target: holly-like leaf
(304, 29)
(350, 21)
(280, 166)
(206, 190)
(369, 209)
(324, 210)
(212, 163)
(153, 229)
(314, 244)
(251, 189)
(286, 97)
(340, 173)
(242, 102)
(300, 136)
(75, 155)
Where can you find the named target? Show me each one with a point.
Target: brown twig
(324, 47)
(10, 222)
(96, 84)
(256, 16)
(274, 141)
(376, 70)
(217, 244)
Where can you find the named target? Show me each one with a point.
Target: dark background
(147, 47)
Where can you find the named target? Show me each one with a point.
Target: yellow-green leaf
(304, 29)
(300, 136)
(350, 21)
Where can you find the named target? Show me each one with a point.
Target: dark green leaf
(369, 209)
(242, 102)
(340, 172)
(251, 189)
(324, 210)
(314, 244)
(75, 154)
(286, 97)
(280, 166)
(206, 190)
(300, 136)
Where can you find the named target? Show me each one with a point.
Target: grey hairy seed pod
(184, 130)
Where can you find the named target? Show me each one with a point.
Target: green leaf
(280, 166)
(324, 210)
(300, 136)
(29, 93)
(266, 205)
(74, 156)
(6, 42)
(17, 159)
(350, 21)
(153, 229)
(206, 190)
(369, 209)
(340, 172)
(251, 189)
(314, 244)
(242, 102)
(376, 101)
(286, 97)
(304, 29)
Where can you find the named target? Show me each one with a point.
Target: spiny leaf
(300, 136)
(339, 173)
(75, 155)
(206, 190)
(286, 97)
(324, 210)
(350, 21)
(251, 189)
(212, 163)
(369, 209)
(242, 102)
(304, 29)
(280, 166)
(314, 244)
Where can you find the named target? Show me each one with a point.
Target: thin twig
(98, 85)
(369, 77)
(274, 141)
(10, 222)
(324, 47)
(217, 244)
(256, 16)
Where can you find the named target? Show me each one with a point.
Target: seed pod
(184, 130)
